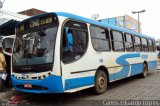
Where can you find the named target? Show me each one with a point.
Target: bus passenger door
(73, 47)
(67, 60)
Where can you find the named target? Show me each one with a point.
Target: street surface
(134, 88)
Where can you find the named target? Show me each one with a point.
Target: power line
(12, 15)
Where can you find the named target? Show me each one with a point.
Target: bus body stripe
(53, 83)
(152, 65)
(78, 82)
(122, 61)
(123, 73)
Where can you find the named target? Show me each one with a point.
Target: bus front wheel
(100, 82)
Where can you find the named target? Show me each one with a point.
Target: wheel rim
(101, 82)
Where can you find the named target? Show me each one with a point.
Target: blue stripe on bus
(78, 82)
(125, 65)
(136, 69)
(152, 65)
(53, 83)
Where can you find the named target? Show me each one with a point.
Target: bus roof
(90, 21)
(76, 17)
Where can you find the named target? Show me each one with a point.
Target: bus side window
(67, 45)
(137, 42)
(74, 41)
(117, 40)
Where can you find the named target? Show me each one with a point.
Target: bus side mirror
(158, 48)
(7, 44)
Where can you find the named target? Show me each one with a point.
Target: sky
(105, 8)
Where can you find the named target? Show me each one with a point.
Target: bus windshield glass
(35, 47)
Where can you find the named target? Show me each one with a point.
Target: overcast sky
(106, 8)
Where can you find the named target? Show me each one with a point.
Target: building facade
(125, 22)
(31, 12)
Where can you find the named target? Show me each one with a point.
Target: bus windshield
(35, 47)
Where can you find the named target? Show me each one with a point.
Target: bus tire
(145, 71)
(100, 82)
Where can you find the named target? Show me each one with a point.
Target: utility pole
(138, 12)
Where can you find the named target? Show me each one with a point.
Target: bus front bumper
(51, 84)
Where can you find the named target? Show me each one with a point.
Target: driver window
(74, 41)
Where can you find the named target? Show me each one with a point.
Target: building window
(129, 42)
(74, 41)
(100, 38)
(137, 44)
(117, 41)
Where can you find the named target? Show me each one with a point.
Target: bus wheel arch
(144, 70)
(101, 80)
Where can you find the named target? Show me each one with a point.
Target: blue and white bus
(62, 52)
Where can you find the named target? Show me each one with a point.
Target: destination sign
(36, 22)
(39, 22)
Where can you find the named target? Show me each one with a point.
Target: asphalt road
(133, 88)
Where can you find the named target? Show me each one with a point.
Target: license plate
(27, 85)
